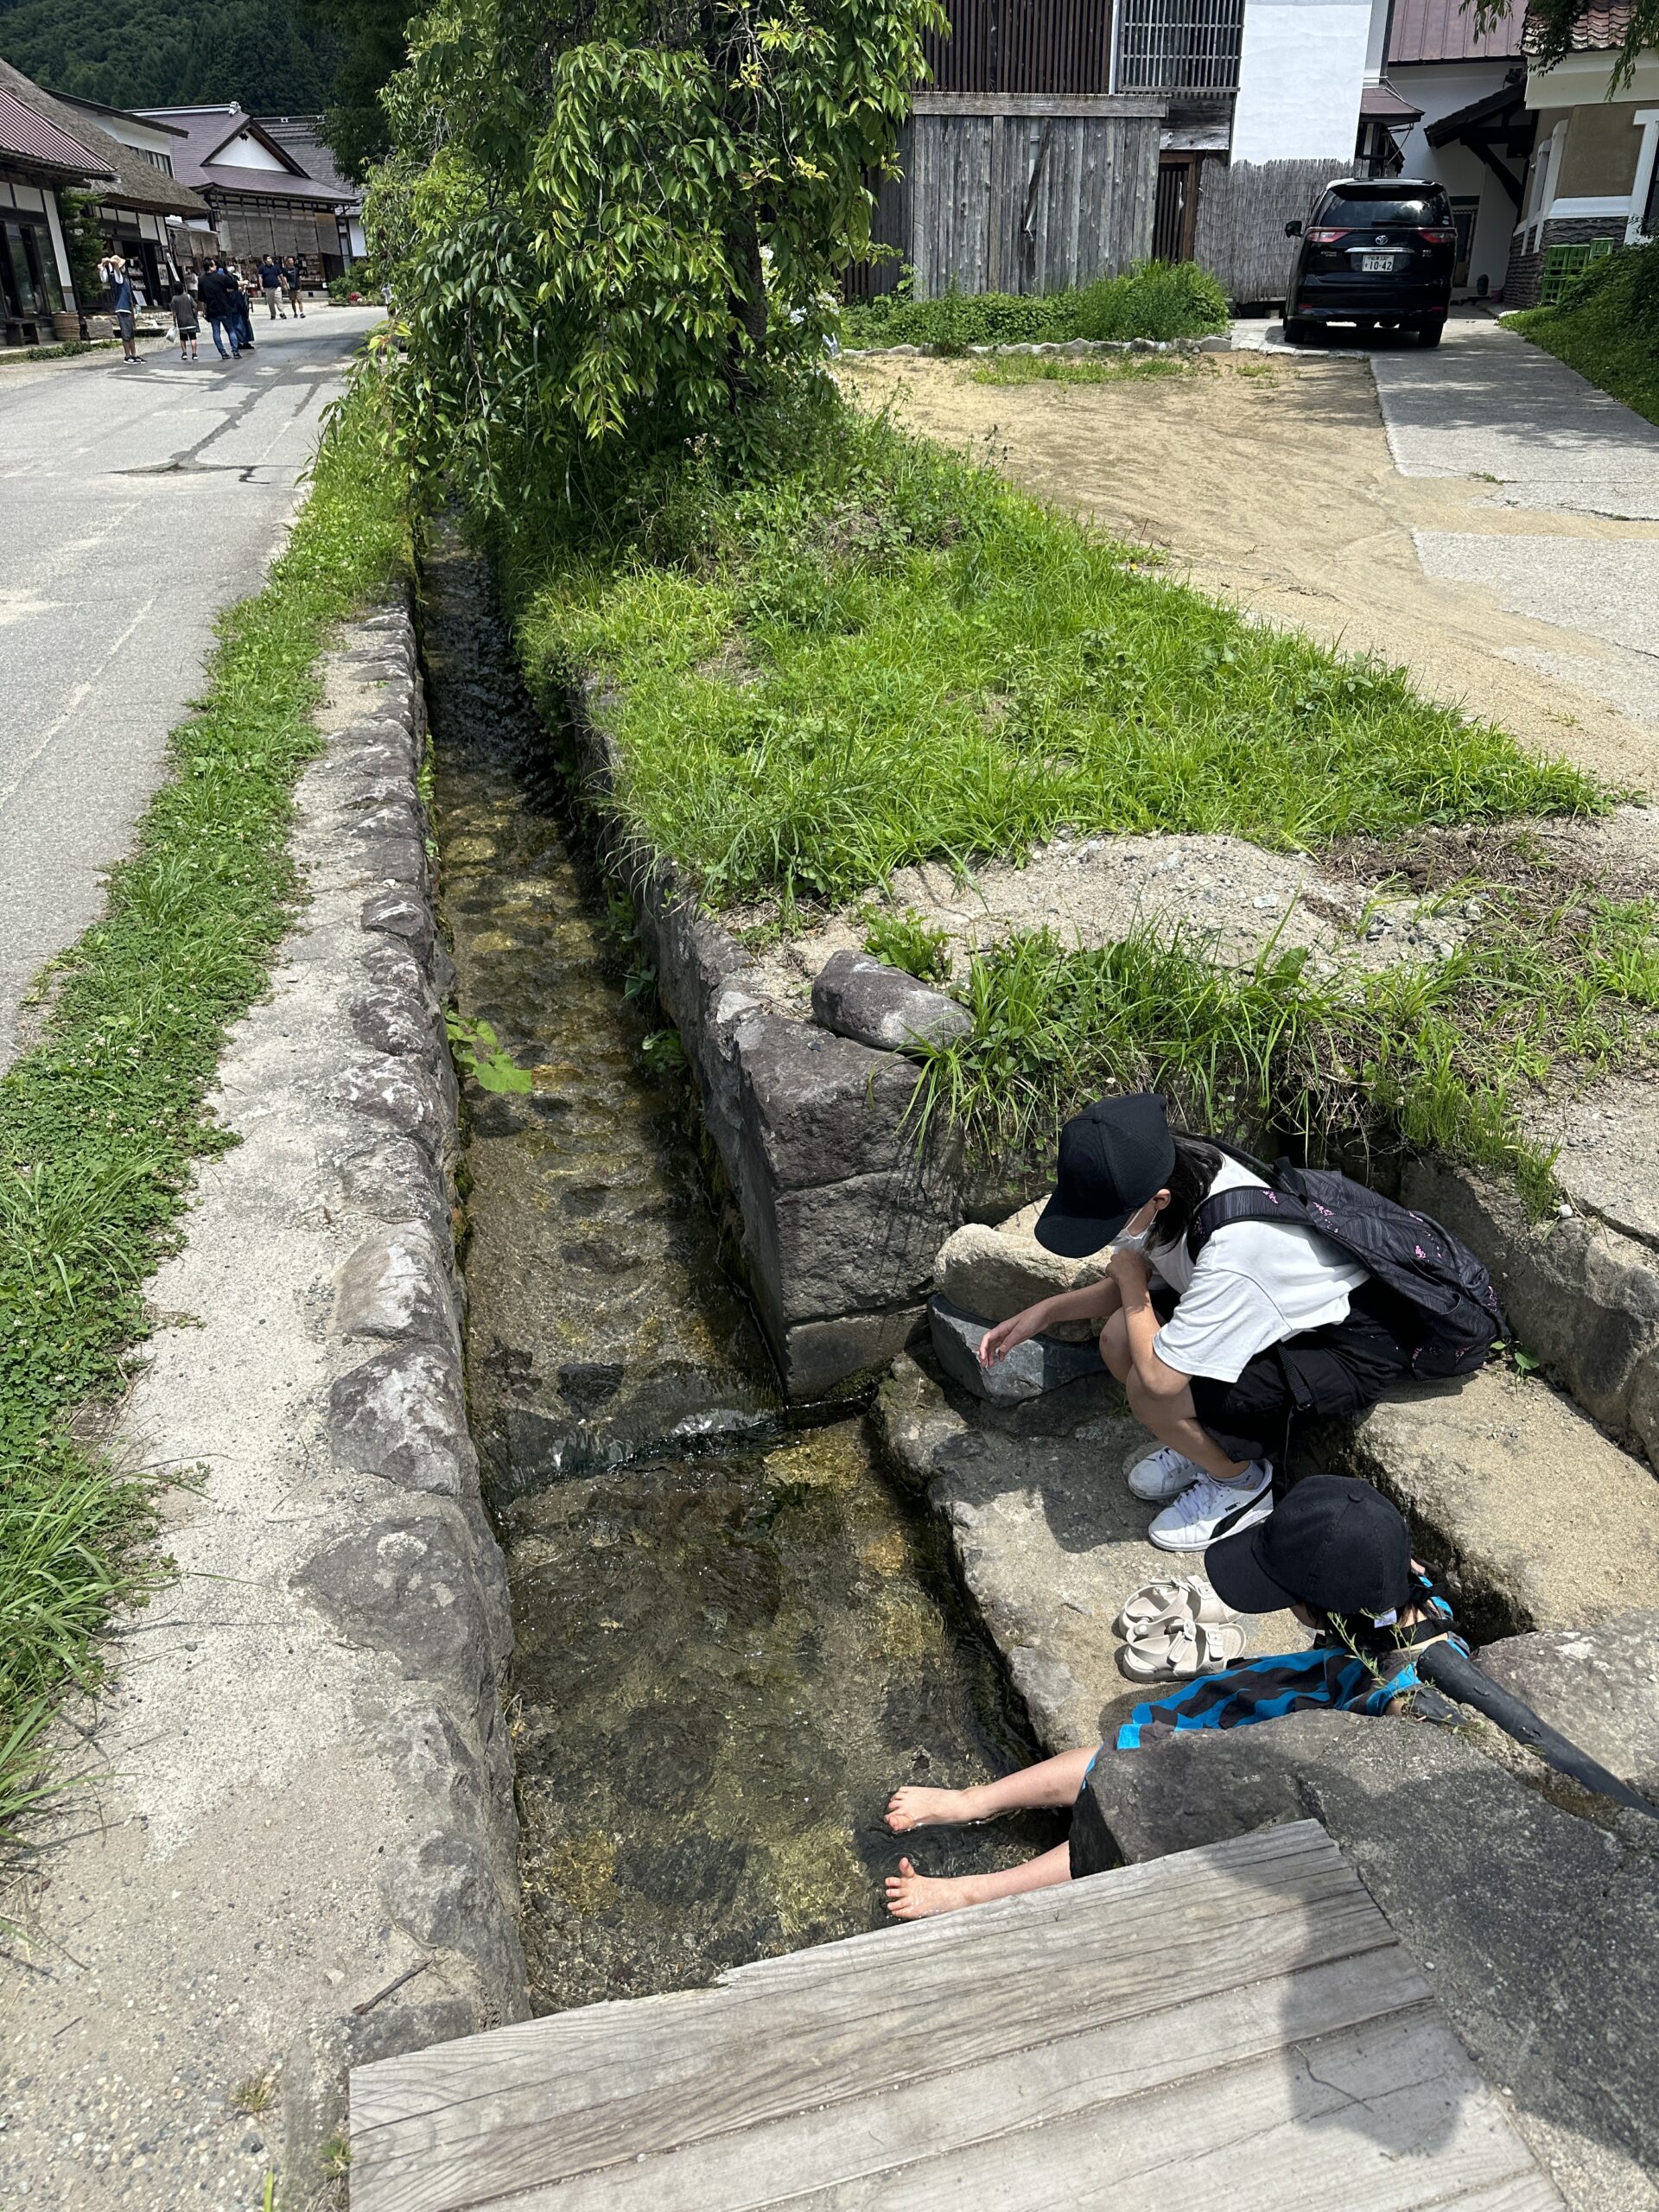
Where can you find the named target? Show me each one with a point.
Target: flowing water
(735, 1637)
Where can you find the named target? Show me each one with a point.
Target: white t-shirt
(1254, 1284)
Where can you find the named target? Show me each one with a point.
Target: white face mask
(1128, 1242)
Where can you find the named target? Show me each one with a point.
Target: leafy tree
(83, 243)
(620, 227)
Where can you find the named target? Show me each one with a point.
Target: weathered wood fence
(1007, 192)
(1243, 210)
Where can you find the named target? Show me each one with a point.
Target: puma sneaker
(1209, 1510)
(1163, 1474)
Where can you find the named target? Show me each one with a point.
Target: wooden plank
(1026, 2089)
(1408, 2127)
(480, 2116)
(1230, 1884)
(1110, 104)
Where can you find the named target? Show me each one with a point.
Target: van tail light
(1439, 237)
(1326, 238)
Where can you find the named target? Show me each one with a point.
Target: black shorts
(1329, 1374)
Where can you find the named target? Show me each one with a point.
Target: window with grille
(1187, 46)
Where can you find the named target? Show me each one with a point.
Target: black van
(1375, 252)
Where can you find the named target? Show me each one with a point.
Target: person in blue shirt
(1337, 1553)
(123, 300)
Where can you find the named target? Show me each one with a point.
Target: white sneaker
(1209, 1510)
(1163, 1474)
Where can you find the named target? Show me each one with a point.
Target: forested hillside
(267, 54)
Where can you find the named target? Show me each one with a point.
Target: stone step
(1532, 1517)
(1047, 1539)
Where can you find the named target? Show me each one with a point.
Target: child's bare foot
(912, 1896)
(933, 1809)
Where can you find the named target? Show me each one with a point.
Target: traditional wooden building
(262, 198)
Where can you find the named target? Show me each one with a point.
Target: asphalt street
(135, 502)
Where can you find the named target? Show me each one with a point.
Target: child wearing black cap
(1216, 1352)
(1337, 1553)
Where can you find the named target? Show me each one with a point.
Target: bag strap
(1222, 1207)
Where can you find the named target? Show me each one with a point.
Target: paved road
(1487, 404)
(134, 503)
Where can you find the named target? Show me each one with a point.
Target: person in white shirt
(1219, 1354)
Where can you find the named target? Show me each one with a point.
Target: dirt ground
(1269, 481)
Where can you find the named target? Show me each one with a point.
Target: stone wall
(843, 1213)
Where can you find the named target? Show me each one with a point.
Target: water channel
(736, 1635)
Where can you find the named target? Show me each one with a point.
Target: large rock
(1598, 1686)
(860, 997)
(401, 1415)
(1532, 1516)
(1582, 1297)
(997, 1273)
(1539, 1931)
(1040, 1363)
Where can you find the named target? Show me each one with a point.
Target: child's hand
(996, 1343)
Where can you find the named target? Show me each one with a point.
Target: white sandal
(1193, 1648)
(1160, 1606)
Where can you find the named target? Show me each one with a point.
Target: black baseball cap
(1333, 1544)
(1114, 1156)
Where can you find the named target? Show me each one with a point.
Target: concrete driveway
(1487, 404)
(135, 502)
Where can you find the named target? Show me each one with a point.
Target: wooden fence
(1243, 210)
(1005, 192)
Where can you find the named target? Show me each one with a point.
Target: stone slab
(1048, 1541)
(995, 1273)
(1538, 1931)
(1599, 1686)
(1532, 1518)
(1038, 1365)
(860, 997)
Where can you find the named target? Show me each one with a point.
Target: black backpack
(1410, 1254)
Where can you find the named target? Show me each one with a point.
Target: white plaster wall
(59, 250)
(245, 152)
(1441, 89)
(1300, 67)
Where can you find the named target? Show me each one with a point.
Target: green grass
(1057, 368)
(883, 654)
(1154, 300)
(1606, 327)
(101, 1124)
(1439, 1054)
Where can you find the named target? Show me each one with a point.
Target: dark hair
(1197, 1166)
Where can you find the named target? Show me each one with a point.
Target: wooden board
(1239, 2021)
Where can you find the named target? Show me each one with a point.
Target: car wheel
(1298, 331)
(1428, 333)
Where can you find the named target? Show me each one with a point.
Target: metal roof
(1442, 31)
(27, 138)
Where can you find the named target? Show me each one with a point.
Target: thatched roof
(137, 182)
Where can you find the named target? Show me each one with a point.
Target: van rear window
(1414, 210)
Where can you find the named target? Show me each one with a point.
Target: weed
(1060, 368)
(663, 1052)
(335, 2157)
(907, 941)
(478, 1053)
(1434, 1056)
(1154, 300)
(254, 2096)
(101, 1123)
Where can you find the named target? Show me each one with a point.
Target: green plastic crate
(1563, 263)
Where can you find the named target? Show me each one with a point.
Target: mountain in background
(266, 54)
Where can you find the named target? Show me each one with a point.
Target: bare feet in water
(932, 1808)
(912, 1896)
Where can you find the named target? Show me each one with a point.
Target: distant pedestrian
(242, 284)
(186, 322)
(113, 271)
(270, 281)
(293, 280)
(222, 304)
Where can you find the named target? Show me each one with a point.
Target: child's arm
(1093, 1301)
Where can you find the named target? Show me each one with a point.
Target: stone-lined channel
(734, 1636)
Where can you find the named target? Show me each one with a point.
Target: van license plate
(1377, 264)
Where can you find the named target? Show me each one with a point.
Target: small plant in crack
(478, 1053)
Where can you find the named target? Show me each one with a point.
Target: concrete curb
(302, 1849)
